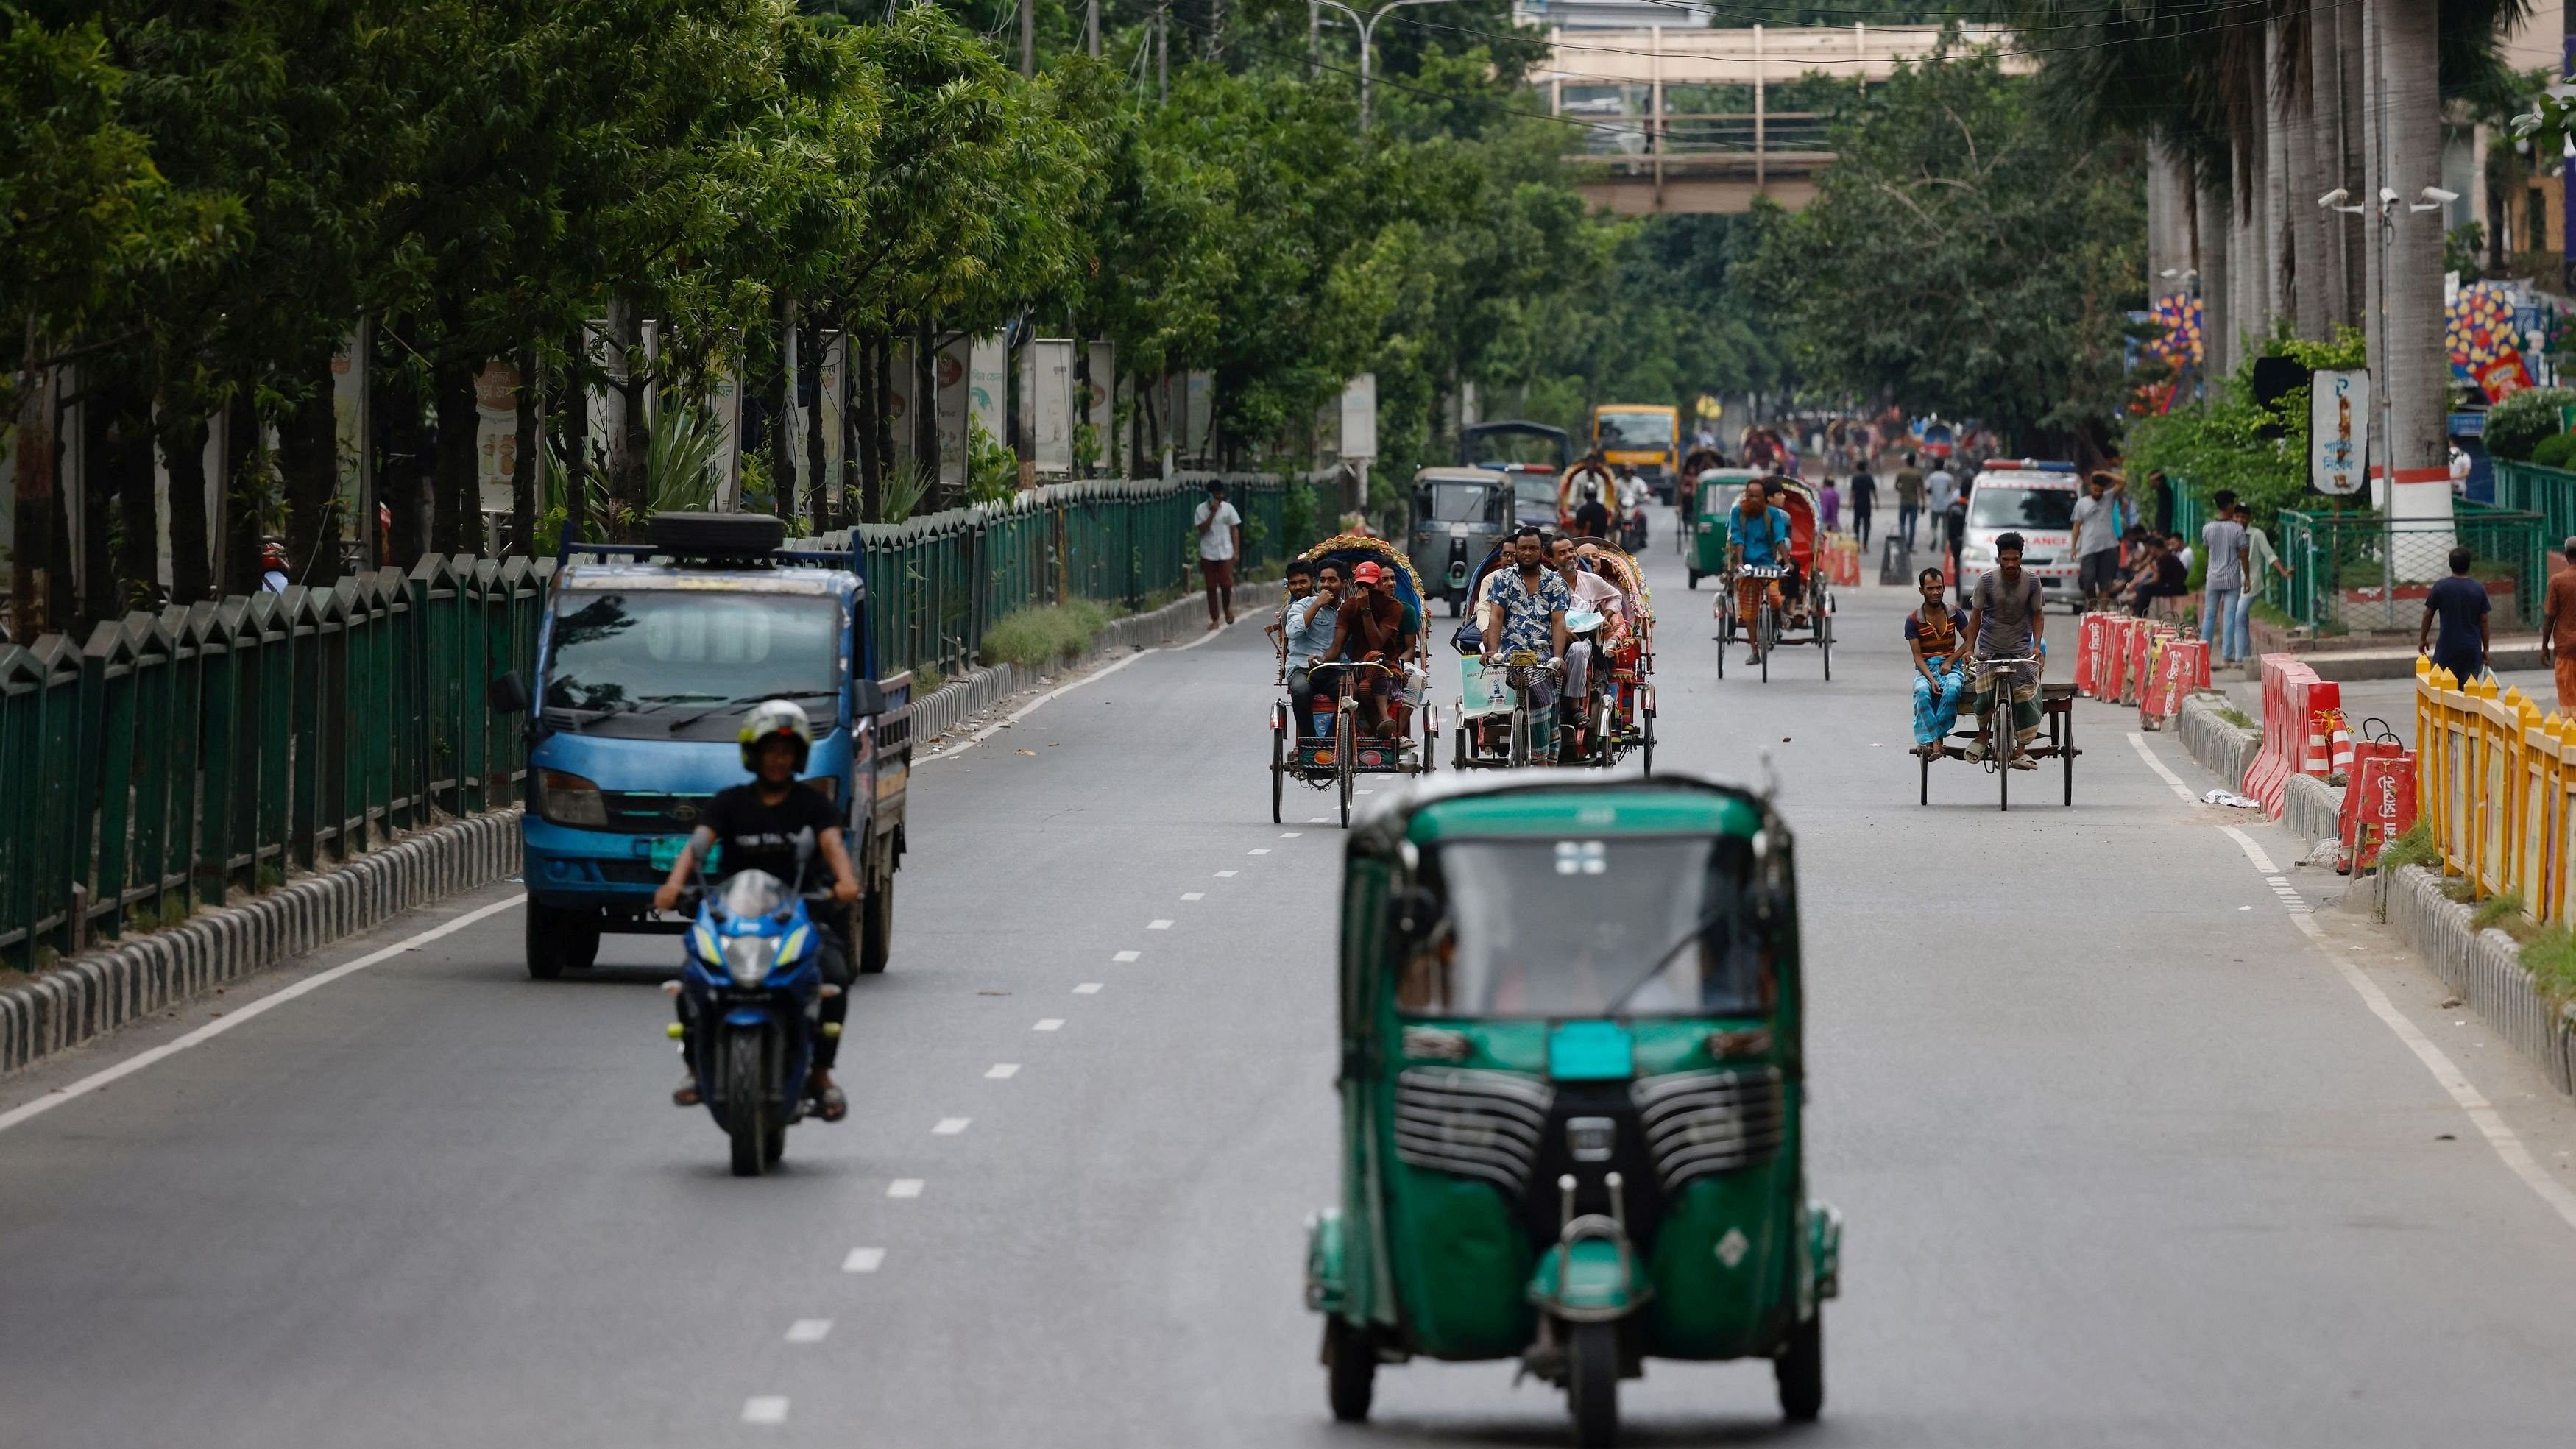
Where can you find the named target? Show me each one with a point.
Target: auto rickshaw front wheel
(1350, 1369)
(1800, 1370)
(1592, 1384)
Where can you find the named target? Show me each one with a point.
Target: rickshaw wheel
(1801, 1372)
(1693, 576)
(1278, 766)
(1350, 1370)
(1430, 739)
(1345, 744)
(1460, 740)
(1592, 1384)
(1649, 717)
(2066, 748)
(1825, 638)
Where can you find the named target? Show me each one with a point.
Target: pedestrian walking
(2459, 603)
(1220, 532)
(2558, 629)
(1909, 499)
(1864, 493)
(1939, 488)
(2262, 565)
(1829, 505)
(2097, 538)
(2222, 542)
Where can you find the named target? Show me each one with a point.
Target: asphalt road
(2127, 1157)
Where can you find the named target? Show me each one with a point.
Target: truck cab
(647, 660)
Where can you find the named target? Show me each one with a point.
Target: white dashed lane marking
(1229, 875)
(1194, 895)
(863, 1260)
(951, 1126)
(1052, 1023)
(1265, 850)
(765, 1409)
(1088, 988)
(904, 1187)
(1002, 1071)
(1126, 955)
(1158, 925)
(809, 1330)
(1290, 834)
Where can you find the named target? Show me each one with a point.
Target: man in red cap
(1370, 628)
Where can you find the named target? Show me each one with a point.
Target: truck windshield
(1556, 928)
(2047, 510)
(654, 650)
(1455, 502)
(1636, 432)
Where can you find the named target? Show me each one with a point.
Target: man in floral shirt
(1529, 603)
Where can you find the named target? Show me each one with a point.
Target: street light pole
(2385, 206)
(1368, 37)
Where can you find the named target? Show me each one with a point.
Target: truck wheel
(875, 931)
(558, 940)
(1801, 1372)
(1350, 1370)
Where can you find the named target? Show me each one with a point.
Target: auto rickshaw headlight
(748, 959)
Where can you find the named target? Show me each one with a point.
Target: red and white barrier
(2380, 805)
(2294, 743)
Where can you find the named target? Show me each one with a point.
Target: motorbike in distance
(750, 1000)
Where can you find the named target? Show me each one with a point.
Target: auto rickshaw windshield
(1646, 926)
(1456, 502)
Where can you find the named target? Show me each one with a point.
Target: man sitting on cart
(1310, 624)
(2007, 619)
(1370, 629)
(1529, 604)
(1590, 591)
(1757, 534)
(1933, 632)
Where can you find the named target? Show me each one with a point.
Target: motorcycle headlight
(748, 958)
(568, 799)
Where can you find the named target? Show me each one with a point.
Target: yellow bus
(1642, 436)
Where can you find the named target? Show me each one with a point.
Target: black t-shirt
(776, 838)
(1592, 521)
(1864, 491)
(2457, 603)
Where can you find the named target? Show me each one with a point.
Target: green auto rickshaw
(1717, 491)
(1571, 1092)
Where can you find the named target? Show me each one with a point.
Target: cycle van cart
(1805, 620)
(1330, 753)
(1993, 741)
(1572, 1092)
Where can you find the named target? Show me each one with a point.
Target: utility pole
(1368, 37)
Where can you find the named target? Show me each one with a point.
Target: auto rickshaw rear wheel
(1801, 1371)
(1350, 1369)
(1592, 1384)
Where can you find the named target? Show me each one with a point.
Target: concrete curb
(2312, 809)
(94, 993)
(940, 711)
(2485, 967)
(2225, 750)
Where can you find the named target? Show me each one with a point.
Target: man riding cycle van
(776, 823)
(2007, 619)
(1757, 535)
(1370, 628)
(1529, 602)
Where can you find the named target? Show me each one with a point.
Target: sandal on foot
(685, 1094)
(830, 1104)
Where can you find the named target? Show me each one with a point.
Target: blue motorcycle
(750, 1002)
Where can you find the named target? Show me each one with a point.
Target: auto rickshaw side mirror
(507, 694)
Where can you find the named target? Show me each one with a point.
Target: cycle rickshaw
(1805, 619)
(1318, 740)
(1993, 739)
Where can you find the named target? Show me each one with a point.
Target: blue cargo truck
(648, 658)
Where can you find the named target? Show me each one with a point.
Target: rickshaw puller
(2007, 618)
(1758, 534)
(1370, 628)
(1531, 601)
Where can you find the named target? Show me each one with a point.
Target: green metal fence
(936, 583)
(2549, 492)
(2352, 572)
(206, 750)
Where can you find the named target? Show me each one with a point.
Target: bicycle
(1763, 631)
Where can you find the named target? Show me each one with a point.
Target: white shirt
(1940, 488)
(1632, 493)
(1599, 594)
(1216, 544)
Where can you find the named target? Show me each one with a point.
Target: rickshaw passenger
(1590, 591)
(1370, 628)
(1310, 627)
(1933, 631)
(1298, 579)
(1757, 535)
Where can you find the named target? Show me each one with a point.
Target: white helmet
(770, 719)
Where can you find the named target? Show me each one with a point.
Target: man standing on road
(2558, 627)
(2460, 603)
(1864, 494)
(1909, 499)
(1220, 531)
(2222, 542)
(2007, 620)
(2097, 538)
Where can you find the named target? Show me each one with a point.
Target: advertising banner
(2338, 431)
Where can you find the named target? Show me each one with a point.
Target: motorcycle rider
(1634, 495)
(776, 823)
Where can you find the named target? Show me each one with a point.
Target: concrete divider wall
(2224, 749)
(96, 992)
(2485, 967)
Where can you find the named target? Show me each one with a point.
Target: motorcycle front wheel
(746, 1091)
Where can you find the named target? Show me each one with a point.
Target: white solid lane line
(904, 1187)
(863, 1260)
(765, 1409)
(1052, 1023)
(1088, 988)
(1158, 924)
(809, 1330)
(951, 1126)
(1002, 1071)
(2507, 1146)
(222, 1024)
(2138, 742)
(1126, 956)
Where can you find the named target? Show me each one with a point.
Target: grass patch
(925, 678)
(2549, 955)
(1044, 638)
(2236, 717)
(2415, 847)
(2498, 910)
(2460, 889)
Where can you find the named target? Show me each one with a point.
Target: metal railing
(2496, 780)
(176, 757)
(2549, 492)
(2360, 571)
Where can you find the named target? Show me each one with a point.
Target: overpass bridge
(1641, 156)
